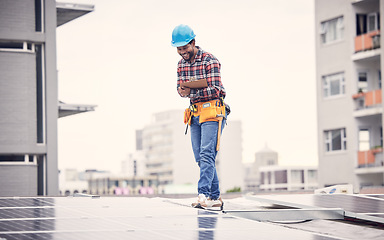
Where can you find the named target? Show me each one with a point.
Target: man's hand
(184, 91)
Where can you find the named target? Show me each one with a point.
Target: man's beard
(190, 56)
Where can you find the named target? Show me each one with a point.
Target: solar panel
(364, 207)
(128, 218)
(381, 196)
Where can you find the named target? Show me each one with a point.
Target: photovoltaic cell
(25, 202)
(13, 213)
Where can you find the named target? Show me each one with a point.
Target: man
(199, 79)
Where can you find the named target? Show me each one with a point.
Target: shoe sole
(213, 208)
(198, 206)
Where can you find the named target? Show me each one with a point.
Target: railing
(370, 99)
(368, 158)
(367, 41)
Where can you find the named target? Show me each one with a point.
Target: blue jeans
(204, 140)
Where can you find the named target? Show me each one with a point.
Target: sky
(119, 57)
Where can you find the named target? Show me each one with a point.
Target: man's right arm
(202, 83)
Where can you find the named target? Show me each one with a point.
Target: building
(168, 153)
(169, 156)
(264, 157)
(72, 182)
(110, 184)
(134, 165)
(229, 163)
(29, 106)
(105, 183)
(288, 178)
(349, 60)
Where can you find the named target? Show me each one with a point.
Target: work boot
(201, 202)
(217, 204)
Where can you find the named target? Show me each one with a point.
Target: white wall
(334, 113)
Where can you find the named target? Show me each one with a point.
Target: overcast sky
(119, 57)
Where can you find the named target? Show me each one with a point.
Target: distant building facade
(112, 184)
(134, 164)
(349, 62)
(71, 182)
(288, 178)
(264, 157)
(29, 106)
(229, 163)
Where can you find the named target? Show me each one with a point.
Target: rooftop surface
(244, 217)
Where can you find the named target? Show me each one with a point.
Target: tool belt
(213, 110)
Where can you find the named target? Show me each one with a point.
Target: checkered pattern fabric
(206, 66)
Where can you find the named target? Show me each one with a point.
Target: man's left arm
(213, 78)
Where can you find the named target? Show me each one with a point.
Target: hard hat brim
(179, 44)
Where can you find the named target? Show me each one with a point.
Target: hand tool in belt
(221, 117)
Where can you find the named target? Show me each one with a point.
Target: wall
(18, 180)
(333, 113)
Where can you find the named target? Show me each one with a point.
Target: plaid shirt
(206, 66)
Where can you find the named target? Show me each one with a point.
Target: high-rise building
(169, 156)
(349, 60)
(29, 106)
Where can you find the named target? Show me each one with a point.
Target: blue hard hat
(182, 35)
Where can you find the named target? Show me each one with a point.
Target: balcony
(367, 41)
(370, 161)
(367, 46)
(368, 103)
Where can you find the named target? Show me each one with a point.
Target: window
(270, 162)
(40, 108)
(367, 23)
(281, 176)
(297, 176)
(333, 85)
(39, 15)
(332, 30)
(372, 22)
(335, 140)
(362, 84)
(12, 158)
(364, 144)
(25, 158)
(312, 176)
(17, 47)
(11, 45)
